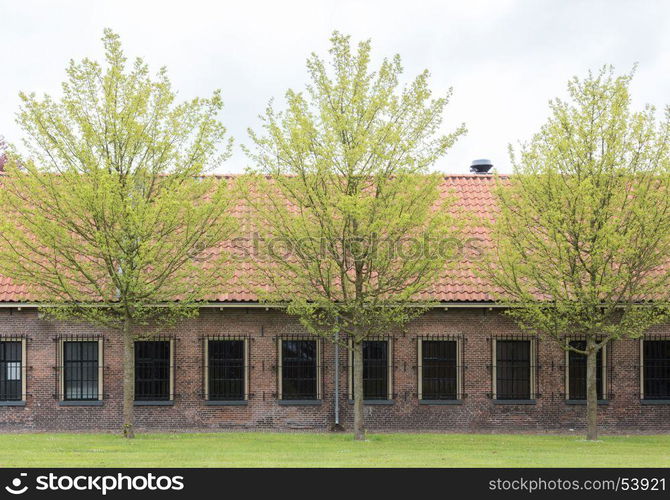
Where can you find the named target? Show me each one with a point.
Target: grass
(330, 450)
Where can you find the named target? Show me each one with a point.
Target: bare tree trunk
(128, 380)
(359, 417)
(591, 391)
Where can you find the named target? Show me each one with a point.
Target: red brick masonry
(476, 412)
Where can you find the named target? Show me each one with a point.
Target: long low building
(462, 366)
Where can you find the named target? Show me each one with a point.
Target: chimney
(481, 166)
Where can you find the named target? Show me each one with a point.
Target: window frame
(280, 366)
(532, 368)
(389, 370)
(171, 376)
(245, 358)
(61, 378)
(459, 366)
(23, 371)
(603, 368)
(643, 398)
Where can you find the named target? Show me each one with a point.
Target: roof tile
(472, 192)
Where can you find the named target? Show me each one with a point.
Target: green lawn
(330, 450)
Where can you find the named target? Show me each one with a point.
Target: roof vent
(481, 166)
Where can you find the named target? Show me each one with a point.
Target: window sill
(153, 403)
(227, 403)
(80, 403)
(514, 401)
(12, 403)
(655, 401)
(583, 402)
(299, 402)
(438, 402)
(374, 402)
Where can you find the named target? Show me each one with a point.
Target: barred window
(656, 369)
(226, 370)
(11, 370)
(577, 372)
(81, 370)
(153, 370)
(299, 370)
(439, 376)
(376, 371)
(513, 370)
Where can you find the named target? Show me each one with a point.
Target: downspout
(337, 380)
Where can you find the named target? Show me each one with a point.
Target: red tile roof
(457, 284)
(460, 283)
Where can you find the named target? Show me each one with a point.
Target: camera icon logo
(16, 489)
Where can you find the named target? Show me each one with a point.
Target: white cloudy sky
(505, 58)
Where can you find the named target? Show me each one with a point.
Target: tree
(109, 219)
(583, 235)
(352, 226)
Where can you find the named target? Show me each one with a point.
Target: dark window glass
(375, 369)
(152, 370)
(80, 370)
(225, 368)
(11, 371)
(577, 373)
(439, 369)
(513, 369)
(299, 369)
(657, 369)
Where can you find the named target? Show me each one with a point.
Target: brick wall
(477, 412)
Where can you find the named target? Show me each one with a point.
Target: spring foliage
(352, 223)
(584, 222)
(109, 208)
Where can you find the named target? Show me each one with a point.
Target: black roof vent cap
(481, 166)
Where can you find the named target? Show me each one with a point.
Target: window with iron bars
(154, 374)
(440, 368)
(80, 369)
(12, 370)
(514, 369)
(576, 372)
(226, 369)
(655, 368)
(299, 369)
(377, 370)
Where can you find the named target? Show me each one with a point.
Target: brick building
(463, 366)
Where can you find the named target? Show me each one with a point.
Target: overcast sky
(504, 59)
